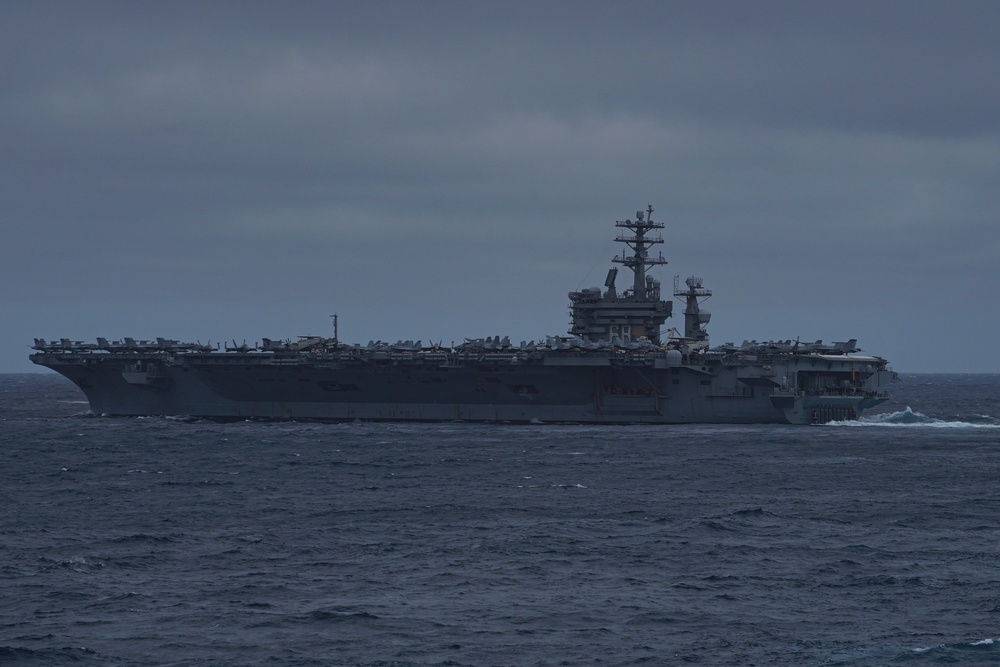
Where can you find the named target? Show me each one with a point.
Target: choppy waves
(170, 541)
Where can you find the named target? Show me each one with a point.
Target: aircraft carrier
(615, 365)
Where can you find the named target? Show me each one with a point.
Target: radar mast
(695, 318)
(636, 313)
(640, 262)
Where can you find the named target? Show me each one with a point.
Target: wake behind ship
(614, 366)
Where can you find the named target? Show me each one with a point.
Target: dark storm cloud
(456, 166)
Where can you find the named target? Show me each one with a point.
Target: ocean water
(171, 542)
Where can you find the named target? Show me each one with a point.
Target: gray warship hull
(586, 387)
(613, 367)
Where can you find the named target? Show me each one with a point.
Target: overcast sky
(427, 170)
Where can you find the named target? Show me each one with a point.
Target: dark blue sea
(158, 541)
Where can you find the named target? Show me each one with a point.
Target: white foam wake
(909, 419)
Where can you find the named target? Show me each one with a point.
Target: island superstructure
(615, 365)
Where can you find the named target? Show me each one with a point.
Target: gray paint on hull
(585, 392)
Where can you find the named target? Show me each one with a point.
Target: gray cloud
(452, 169)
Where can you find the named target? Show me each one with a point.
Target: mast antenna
(640, 244)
